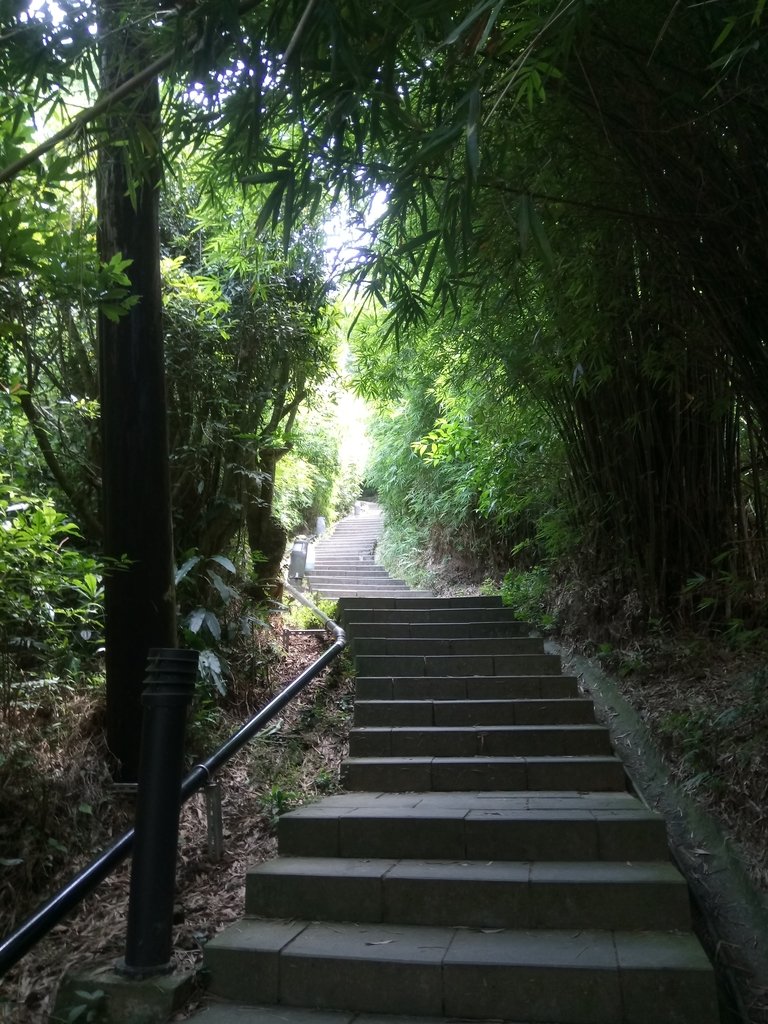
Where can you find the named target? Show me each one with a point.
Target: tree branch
(35, 420)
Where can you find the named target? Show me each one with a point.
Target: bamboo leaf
(727, 29)
(288, 213)
(417, 243)
(540, 236)
(271, 208)
(429, 264)
(489, 25)
(524, 221)
(470, 19)
(473, 118)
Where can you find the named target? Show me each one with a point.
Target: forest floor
(294, 760)
(705, 706)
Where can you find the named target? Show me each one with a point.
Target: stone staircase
(485, 862)
(345, 563)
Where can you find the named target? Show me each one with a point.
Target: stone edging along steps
(485, 862)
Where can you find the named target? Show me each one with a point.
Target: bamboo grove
(613, 276)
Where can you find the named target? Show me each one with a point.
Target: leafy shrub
(212, 614)
(51, 602)
(526, 592)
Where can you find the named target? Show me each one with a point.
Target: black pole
(168, 690)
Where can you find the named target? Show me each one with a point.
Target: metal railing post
(168, 691)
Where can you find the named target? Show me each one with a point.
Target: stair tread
(589, 802)
(565, 948)
(520, 872)
(482, 758)
(456, 729)
(235, 1013)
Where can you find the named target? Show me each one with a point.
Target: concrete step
(349, 540)
(361, 554)
(490, 894)
(446, 774)
(457, 665)
(347, 565)
(430, 647)
(355, 525)
(438, 630)
(431, 603)
(352, 546)
(533, 826)
(430, 613)
(583, 977)
(364, 593)
(499, 687)
(574, 711)
(480, 741)
(356, 579)
(218, 1012)
(350, 537)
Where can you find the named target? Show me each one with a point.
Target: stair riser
(443, 647)
(352, 565)
(430, 603)
(473, 979)
(363, 593)
(387, 713)
(437, 630)
(509, 902)
(493, 741)
(458, 665)
(384, 584)
(347, 548)
(478, 774)
(624, 836)
(350, 536)
(446, 616)
(522, 687)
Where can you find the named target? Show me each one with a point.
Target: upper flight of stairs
(345, 561)
(485, 862)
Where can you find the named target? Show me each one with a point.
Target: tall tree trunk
(267, 537)
(139, 599)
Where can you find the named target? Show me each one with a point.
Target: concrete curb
(732, 914)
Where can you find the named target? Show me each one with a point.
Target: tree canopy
(565, 269)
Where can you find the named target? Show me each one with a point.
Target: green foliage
(402, 550)
(299, 616)
(462, 461)
(90, 1008)
(526, 592)
(213, 615)
(51, 600)
(313, 478)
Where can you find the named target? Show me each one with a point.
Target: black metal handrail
(23, 938)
